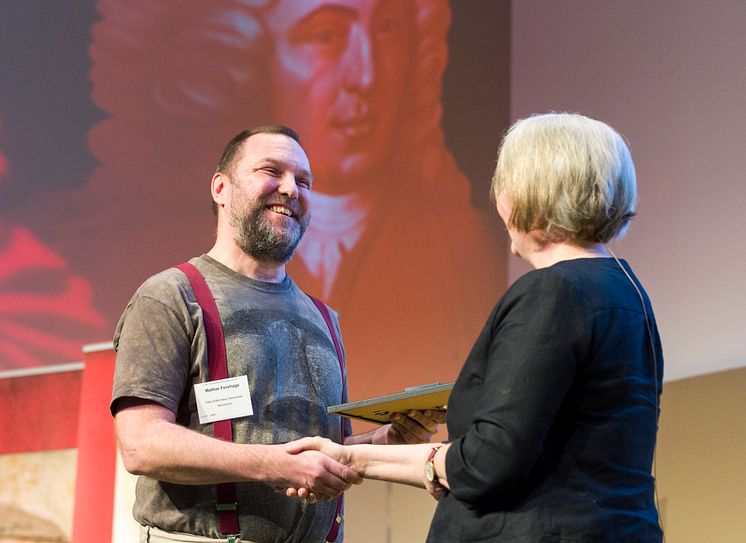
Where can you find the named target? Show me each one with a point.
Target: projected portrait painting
(395, 244)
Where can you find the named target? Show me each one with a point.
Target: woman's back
(555, 413)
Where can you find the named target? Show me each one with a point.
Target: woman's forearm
(403, 464)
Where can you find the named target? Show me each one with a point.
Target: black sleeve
(534, 343)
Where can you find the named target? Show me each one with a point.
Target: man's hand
(327, 446)
(410, 427)
(335, 456)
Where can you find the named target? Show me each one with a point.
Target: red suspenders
(334, 530)
(226, 503)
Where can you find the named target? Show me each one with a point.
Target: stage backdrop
(112, 117)
(114, 114)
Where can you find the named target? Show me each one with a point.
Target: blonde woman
(552, 421)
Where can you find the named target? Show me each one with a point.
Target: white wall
(670, 75)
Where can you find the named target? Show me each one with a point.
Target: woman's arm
(403, 464)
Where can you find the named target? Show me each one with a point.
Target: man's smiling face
(270, 187)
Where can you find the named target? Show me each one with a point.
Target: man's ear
(220, 189)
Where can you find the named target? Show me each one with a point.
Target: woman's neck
(549, 253)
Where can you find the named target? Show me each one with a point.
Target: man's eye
(390, 18)
(324, 35)
(303, 182)
(386, 25)
(327, 33)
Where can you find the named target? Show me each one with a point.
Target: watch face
(430, 471)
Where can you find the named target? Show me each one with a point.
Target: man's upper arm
(154, 341)
(143, 408)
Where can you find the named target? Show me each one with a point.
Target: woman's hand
(325, 446)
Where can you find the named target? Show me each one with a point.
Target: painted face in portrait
(339, 78)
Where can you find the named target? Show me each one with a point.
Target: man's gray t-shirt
(273, 334)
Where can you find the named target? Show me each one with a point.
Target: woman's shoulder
(594, 283)
(570, 282)
(544, 280)
(570, 273)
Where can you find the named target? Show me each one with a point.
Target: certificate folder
(379, 410)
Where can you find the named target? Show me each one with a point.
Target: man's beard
(260, 239)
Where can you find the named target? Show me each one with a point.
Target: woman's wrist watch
(430, 472)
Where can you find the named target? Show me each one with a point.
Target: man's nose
(358, 60)
(288, 186)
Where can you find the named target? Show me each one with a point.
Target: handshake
(322, 469)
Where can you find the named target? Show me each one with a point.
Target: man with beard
(283, 368)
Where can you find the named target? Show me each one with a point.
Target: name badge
(223, 399)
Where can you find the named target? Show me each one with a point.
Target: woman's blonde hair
(567, 175)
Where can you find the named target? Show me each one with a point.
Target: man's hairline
(232, 166)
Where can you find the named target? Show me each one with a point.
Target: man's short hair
(567, 175)
(228, 158)
(227, 161)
